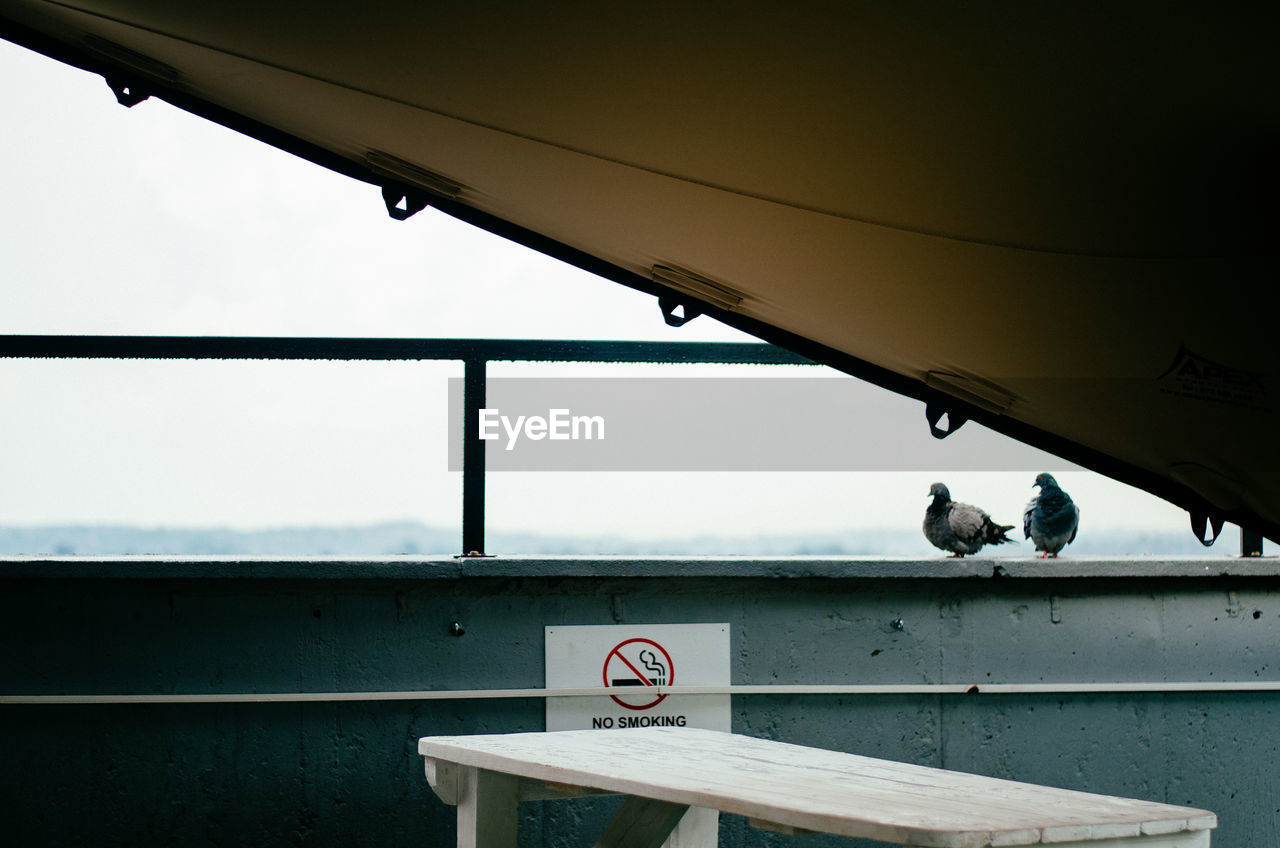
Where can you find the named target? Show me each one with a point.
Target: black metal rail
(355, 349)
(475, 354)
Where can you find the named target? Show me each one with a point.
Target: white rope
(596, 692)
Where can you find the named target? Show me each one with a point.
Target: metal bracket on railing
(1201, 521)
(669, 305)
(403, 202)
(127, 92)
(933, 414)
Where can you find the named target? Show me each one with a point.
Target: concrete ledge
(453, 568)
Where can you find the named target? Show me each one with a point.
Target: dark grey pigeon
(959, 527)
(1052, 518)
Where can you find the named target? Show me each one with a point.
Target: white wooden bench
(778, 786)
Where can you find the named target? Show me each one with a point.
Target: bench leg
(700, 828)
(641, 823)
(487, 804)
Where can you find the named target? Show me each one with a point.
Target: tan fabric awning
(1058, 221)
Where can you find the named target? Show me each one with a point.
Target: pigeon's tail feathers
(994, 534)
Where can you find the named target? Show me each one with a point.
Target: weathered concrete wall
(347, 773)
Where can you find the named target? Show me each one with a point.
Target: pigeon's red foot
(956, 556)
(1046, 555)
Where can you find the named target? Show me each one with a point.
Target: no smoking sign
(635, 664)
(640, 663)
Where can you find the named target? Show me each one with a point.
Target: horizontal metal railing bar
(1068, 688)
(391, 349)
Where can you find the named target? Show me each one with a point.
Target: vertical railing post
(473, 400)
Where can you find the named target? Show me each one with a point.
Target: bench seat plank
(818, 790)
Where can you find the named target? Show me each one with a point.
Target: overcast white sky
(151, 221)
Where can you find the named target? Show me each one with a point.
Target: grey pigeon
(958, 527)
(1052, 518)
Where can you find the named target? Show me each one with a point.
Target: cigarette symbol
(657, 672)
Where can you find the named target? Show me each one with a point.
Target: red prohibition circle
(644, 680)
